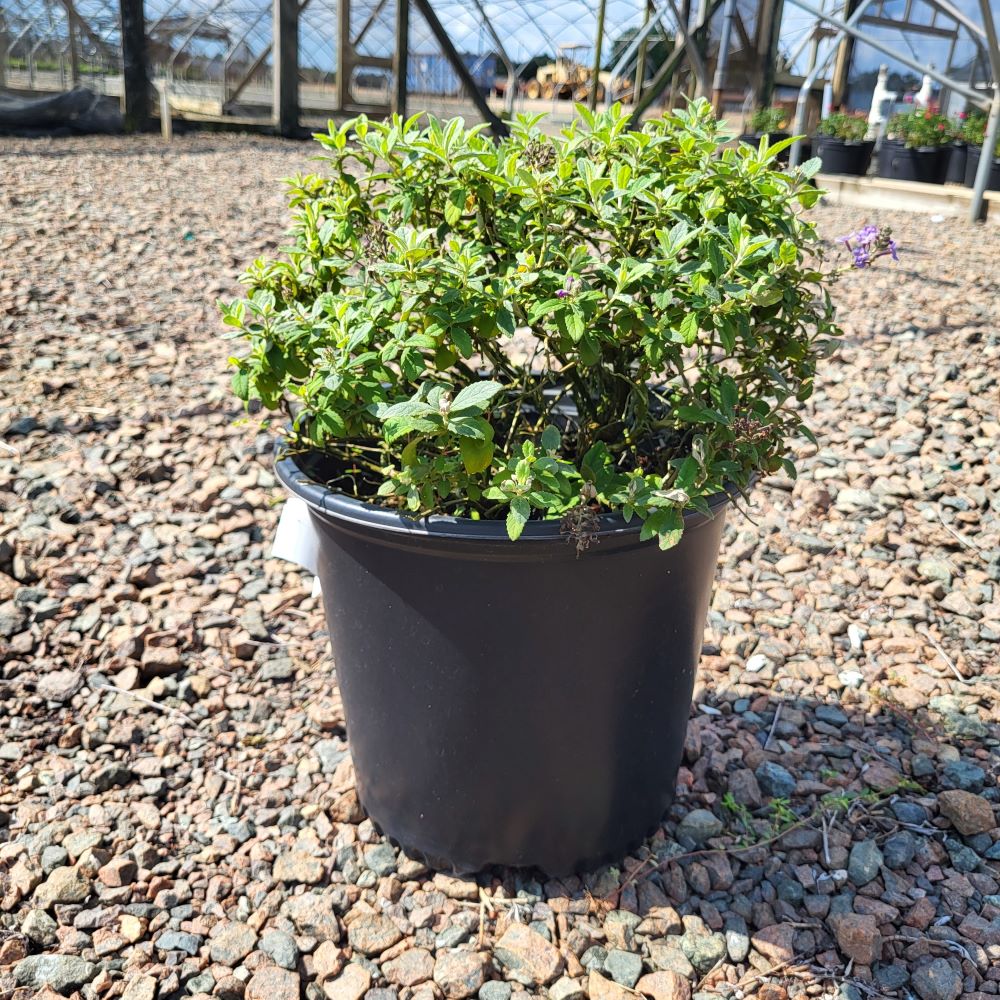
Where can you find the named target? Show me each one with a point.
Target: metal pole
(595, 81)
(401, 57)
(818, 67)
(640, 62)
(722, 62)
(993, 125)
(166, 122)
(508, 100)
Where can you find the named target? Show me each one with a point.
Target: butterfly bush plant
(613, 320)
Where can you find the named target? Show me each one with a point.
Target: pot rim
(350, 510)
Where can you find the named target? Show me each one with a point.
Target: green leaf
(461, 339)
(689, 329)
(241, 384)
(551, 439)
(517, 517)
(475, 396)
(477, 456)
(454, 207)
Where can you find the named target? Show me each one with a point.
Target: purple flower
(567, 288)
(869, 243)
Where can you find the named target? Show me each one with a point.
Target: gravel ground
(177, 811)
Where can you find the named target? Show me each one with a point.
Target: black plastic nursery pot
(840, 157)
(927, 164)
(956, 163)
(507, 702)
(972, 165)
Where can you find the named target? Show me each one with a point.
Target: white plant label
(296, 540)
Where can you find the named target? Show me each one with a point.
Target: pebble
(774, 780)
(527, 957)
(280, 947)
(864, 862)
(969, 814)
(937, 980)
(698, 826)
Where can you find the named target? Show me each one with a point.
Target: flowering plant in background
(974, 130)
(846, 127)
(920, 128)
(764, 121)
(608, 320)
(869, 243)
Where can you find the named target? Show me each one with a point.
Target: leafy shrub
(847, 128)
(973, 131)
(920, 128)
(608, 320)
(764, 121)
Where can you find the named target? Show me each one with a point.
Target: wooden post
(135, 68)
(595, 78)
(166, 122)
(74, 46)
(285, 49)
(343, 88)
(401, 56)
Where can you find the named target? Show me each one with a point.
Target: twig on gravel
(149, 701)
(774, 725)
(826, 840)
(746, 981)
(926, 633)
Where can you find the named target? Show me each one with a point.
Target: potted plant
(841, 145)
(974, 134)
(523, 380)
(915, 147)
(957, 151)
(771, 122)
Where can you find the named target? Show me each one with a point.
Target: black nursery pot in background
(508, 702)
(956, 163)
(972, 165)
(840, 157)
(927, 164)
(753, 138)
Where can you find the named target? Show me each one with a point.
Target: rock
(39, 927)
(179, 941)
(737, 938)
(937, 980)
(698, 826)
(412, 967)
(271, 983)
(774, 780)
(460, 974)
(140, 988)
(964, 776)
(775, 942)
(624, 967)
(232, 944)
(865, 862)
(898, 851)
(118, 872)
(969, 814)
(381, 859)
(744, 788)
(62, 972)
(832, 715)
(527, 957)
(496, 989)
(372, 933)
(664, 986)
(565, 988)
(666, 955)
(64, 885)
(703, 951)
(857, 937)
(599, 988)
(351, 984)
(59, 685)
(891, 977)
(299, 866)
(111, 775)
(313, 914)
(281, 947)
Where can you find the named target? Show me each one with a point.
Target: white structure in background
(922, 98)
(882, 101)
